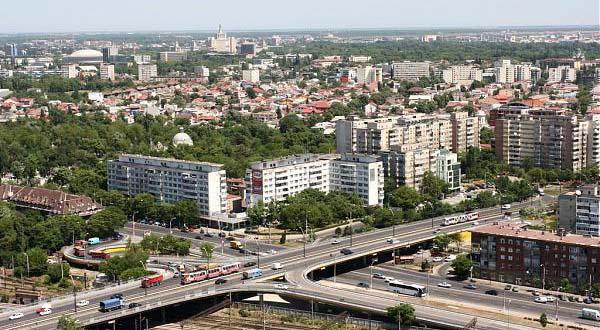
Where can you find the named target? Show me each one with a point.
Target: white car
(393, 240)
(388, 279)
(45, 312)
(335, 241)
(281, 286)
(437, 259)
(541, 300)
(549, 298)
(276, 266)
(82, 303)
(450, 258)
(475, 223)
(16, 316)
(444, 285)
(506, 207)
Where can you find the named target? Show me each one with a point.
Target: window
(502, 257)
(510, 258)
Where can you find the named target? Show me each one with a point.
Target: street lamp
(74, 293)
(304, 239)
(371, 271)
(258, 254)
(170, 227)
(27, 258)
(133, 223)
(543, 277)
(508, 323)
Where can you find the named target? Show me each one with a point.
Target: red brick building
(53, 202)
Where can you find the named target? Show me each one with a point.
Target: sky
(236, 15)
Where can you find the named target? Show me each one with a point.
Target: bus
(252, 273)
(407, 289)
(590, 314)
(79, 251)
(210, 273)
(456, 219)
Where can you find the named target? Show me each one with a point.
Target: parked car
(250, 264)
(363, 285)
(207, 234)
(198, 237)
(471, 287)
(508, 287)
(281, 286)
(506, 207)
(515, 289)
(16, 316)
(444, 285)
(541, 300)
(437, 259)
(492, 292)
(134, 305)
(378, 275)
(222, 234)
(220, 281)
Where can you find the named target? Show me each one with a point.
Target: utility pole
(334, 267)
(556, 311)
(230, 306)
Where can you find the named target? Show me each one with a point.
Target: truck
(151, 281)
(94, 241)
(111, 304)
(253, 273)
(236, 245)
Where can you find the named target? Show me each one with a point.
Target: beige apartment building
(465, 131)
(544, 138)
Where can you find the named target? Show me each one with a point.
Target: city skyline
(113, 16)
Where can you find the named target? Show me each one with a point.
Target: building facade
(579, 211)
(562, 73)
(465, 131)
(171, 180)
(410, 71)
(358, 174)
(220, 43)
(251, 75)
(508, 253)
(147, 71)
(459, 73)
(107, 71)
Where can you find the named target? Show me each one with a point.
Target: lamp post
(170, 225)
(371, 272)
(334, 267)
(508, 309)
(304, 240)
(133, 223)
(258, 254)
(74, 293)
(27, 258)
(543, 277)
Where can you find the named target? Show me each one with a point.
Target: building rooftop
(125, 158)
(517, 230)
(52, 201)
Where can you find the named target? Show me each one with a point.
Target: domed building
(182, 139)
(84, 56)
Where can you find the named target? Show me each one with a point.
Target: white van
(506, 207)
(276, 266)
(590, 314)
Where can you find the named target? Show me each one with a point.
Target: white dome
(182, 138)
(84, 53)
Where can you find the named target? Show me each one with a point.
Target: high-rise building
(108, 53)
(251, 75)
(142, 59)
(12, 50)
(147, 71)
(368, 75)
(107, 71)
(69, 70)
(460, 73)
(221, 43)
(508, 73)
(447, 168)
(562, 73)
(171, 180)
(202, 71)
(173, 56)
(248, 48)
(278, 179)
(579, 211)
(542, 138)
(465, 131)
(410, 71)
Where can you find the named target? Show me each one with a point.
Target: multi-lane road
(296, 269)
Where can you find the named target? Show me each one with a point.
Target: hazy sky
(143, 15)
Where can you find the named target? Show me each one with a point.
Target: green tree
(251, 93)
(543, 320)
(442, 241)
(134, 257)
(462, 266)
(37, 259)
(404, 313)
(207, 250)
(405, 198)
(486, 135)
(106, 222)
(66, 322)
(186, 212)
(433, 186)
(57, 272)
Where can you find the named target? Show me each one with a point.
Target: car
(475, 223)
(444, 285)
(220, 281)
(450, 258)
(541, 300)
(388, 279)
(346, 251)
(535, 293)
(578, 299)
(562, 297)
(508, 287)
(46, 311)
(82, 303)
(437, 259)
(156, 223)
(16, 316)
(393, 240)
(571, 299)
(198, 237)
(277, 266)
(378, 275)
(250, 264)
(515, 289)
(281, 286)
(362, 285)
(222, 234)
(335, 241)
(550, 298)
(492, 292)
(437, 231)
(207, 234)
(135, 304)
(471, 287)
(117, 296)
(506, 207)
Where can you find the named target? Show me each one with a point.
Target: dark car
(198, 237)
(363, 285)
(207, 234)
(222, 234)
(134, 305)
(220, 281)
(250, 264)
(492, 292)
(117, 296)
(346, 251)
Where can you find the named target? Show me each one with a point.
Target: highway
(296, 269)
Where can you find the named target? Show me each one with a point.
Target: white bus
(590, 314)
(456, 219)
(408, 289)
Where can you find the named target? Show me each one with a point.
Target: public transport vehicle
(590, 314)
(204, 274)
(99, 254)
(252, 273)
(79, 251)
(456, 219)
(236, 245)
(151, 281)
(80, 242)
(407, 289)
(93, 241)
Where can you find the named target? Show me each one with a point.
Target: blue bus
(252, 273)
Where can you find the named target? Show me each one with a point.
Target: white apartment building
(562, 73)
(107, 71)
(579, 211)
(251, 75)
(171, 180)
(447, 168)
(147, 71)
(410, 71)
(359, 59)
(508, 73)
(69, 70)
(278, 179)
(368, 75)
(460, 73)
(465, 131)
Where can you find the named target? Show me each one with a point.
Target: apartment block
(278, 179)
(465, 131)
(579, 211)
(508, 73)
(171, 180)
(459, 73)
(172, 56)
(368, 75)
(542, 138)
(410, 71)
(147, 71)
(107, 71)
(447, 168)
(251, 75)
(562, 73)
(510, 253)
